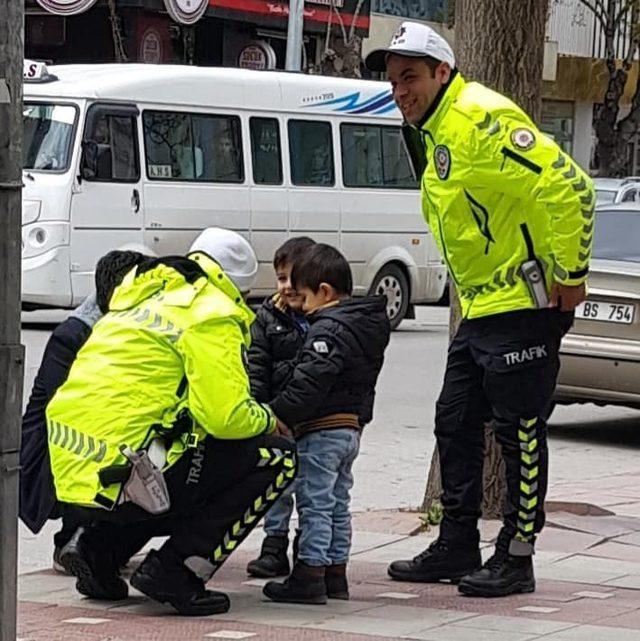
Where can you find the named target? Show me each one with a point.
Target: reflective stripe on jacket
(175, 337)
(493, 178)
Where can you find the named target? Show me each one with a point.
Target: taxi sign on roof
(33, 71)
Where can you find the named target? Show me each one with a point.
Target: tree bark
(342, 54)
(619, 23)
(499, 43)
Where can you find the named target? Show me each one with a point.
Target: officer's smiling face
(414, 85)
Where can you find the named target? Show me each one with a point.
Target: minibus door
(106, 207)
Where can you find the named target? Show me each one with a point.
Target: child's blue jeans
(322, 495)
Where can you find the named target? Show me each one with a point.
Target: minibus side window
(311, 151)
(115, 143)
(265, 151)
(193, 147)
(375, 156)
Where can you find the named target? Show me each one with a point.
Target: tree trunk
(499, 43)
(619, 25)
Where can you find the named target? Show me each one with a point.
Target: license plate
(607, 312)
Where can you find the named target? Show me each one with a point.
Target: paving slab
(507, 624)
(456, 633)
(555, 539)
(593, 633)
(629, 539)
(608, 526)
(627, 620)
(631, 581)
(391, 629)
(405, 548)
(614, 550)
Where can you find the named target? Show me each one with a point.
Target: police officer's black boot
(89, 558)
(273, 559)
(501, 575)
(166, 579)
(440, 561)
(305, 584)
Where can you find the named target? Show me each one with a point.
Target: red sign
(276, 10)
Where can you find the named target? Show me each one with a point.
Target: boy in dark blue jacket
(326, 403)
(276, 336)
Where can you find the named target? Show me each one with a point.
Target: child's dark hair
(323, 264)
(110, 271)
(291, 250)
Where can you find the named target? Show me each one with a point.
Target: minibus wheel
(392, 282)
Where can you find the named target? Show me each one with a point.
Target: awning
(317, 13)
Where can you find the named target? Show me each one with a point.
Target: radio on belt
(534, 278)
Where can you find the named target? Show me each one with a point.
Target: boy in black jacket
(326, 403)
(276, 336)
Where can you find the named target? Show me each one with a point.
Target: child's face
(314, 300)
(286, 291)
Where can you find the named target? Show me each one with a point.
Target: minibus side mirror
(89, 160)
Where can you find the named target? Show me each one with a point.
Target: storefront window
(558, 121)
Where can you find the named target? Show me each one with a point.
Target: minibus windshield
(48, 130)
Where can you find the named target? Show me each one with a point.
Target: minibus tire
(391, 280)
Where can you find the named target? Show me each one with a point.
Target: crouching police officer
(155, 432)
(513, 218)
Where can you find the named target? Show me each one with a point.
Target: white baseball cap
(413, 40)
(232, 252)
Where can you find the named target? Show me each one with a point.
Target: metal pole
(11, 352)
(294, 35)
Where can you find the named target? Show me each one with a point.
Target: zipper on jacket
(481, 216)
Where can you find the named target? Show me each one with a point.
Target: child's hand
(282, 429)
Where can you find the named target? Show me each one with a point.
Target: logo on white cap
(397, 38)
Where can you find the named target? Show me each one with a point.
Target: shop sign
(151, 47)
(317, 13)
(66, 7)
(257, 55)
(186, 11)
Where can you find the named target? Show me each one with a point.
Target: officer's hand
(567, 297)
(282, 429)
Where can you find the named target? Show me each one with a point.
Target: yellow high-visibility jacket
(492, 180)
(174, 338)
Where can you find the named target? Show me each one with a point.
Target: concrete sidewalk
(588, 589)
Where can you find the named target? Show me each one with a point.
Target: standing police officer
(155, 432)
(512, 215)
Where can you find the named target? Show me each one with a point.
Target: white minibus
(150, 154)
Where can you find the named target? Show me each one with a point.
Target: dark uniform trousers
(219, 491)
(502, 367)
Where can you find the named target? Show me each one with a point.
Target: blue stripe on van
(351, 103)
(383, 102)
(386, 109)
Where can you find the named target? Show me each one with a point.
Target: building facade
(248, 33)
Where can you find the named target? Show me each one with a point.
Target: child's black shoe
(335, 580)
(273, 559)
(305, 584)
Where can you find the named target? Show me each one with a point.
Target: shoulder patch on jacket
(320, 347)
(523, 138)
(442, 158)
